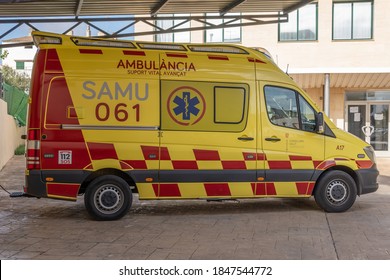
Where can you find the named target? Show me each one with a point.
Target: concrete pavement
(297, 229)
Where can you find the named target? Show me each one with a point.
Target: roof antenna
(287, 68)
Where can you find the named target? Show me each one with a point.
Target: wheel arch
(345, 169)
(108, 171)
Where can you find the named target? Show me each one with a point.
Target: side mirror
(320, 123)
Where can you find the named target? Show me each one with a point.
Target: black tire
(335, 192)
(108, 198)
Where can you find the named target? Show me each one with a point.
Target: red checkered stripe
(195, 159)
(262, 189)
(149, 154)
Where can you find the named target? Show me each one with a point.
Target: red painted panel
(150, 152)
(261, 156)
(102, 151)
(90, 51)
(183, 55)
(300, 158)
(53, 63)
(184, 164)
(302, 187)
(311, 188)
(206, 155)
(249, 156)
(260, 189)
(155, 189)
(164, 154)
(364, 164)
(139, 53)
(233, 164)
(169, 190)
(218, 189)
(68, 190)
(270, 188)
(279, 164)
(250, 59)
(218, 57)
(36, 83)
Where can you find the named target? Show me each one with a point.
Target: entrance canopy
(77, 8)
(16, 13)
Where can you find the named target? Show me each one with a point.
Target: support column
(327, 94)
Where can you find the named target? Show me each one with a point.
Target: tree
(3, 54)
(13, 78)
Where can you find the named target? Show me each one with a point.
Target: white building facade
(20, 58)
(337, 50)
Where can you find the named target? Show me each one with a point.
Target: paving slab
(280, 229)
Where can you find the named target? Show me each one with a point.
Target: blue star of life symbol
(186, 105)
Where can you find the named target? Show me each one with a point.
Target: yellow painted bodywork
(114, 88)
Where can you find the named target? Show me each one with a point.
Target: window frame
(223, 33)
(244, 104)
(173, 33)
(297, 95)
(352, 19)
(297, 27)
(19, 63)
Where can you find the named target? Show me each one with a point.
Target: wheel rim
(337, 192)
(108, 198)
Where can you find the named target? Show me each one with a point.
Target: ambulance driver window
(282, 106)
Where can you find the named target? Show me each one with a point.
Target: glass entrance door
(370, 122)
(379, 120)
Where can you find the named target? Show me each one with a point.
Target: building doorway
(370, 122)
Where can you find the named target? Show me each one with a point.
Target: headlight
(369, 150)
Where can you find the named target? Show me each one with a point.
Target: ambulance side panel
(209, 128)
(100, 118)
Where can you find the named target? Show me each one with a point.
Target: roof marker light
(79, 41)
(217, 49)
(151, 46)
(43, 39)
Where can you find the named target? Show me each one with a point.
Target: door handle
(272, 139)
(245, 138)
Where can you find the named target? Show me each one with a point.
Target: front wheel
(108, 198)
(336, 191)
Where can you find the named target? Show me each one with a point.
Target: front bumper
(368, 179)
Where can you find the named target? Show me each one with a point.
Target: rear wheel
(108, 198)
(335, 192)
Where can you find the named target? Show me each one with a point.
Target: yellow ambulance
(109, 118)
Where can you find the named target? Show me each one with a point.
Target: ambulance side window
(287, 108)
(282, 106)
(308, 116)
(59, 109)
(229, 103)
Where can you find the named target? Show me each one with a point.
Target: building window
(19, 65)
(301, 25)
(222, 35)
(178, 37)
(352, 20)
